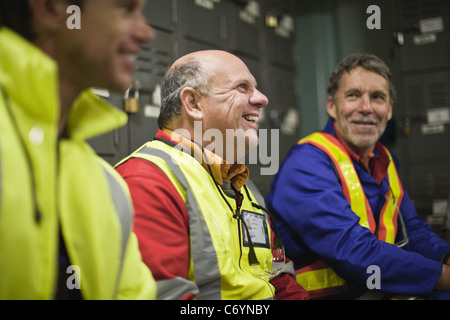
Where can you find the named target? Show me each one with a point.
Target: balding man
(199, 226)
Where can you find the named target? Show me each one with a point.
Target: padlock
(132, 100)
(406, 127)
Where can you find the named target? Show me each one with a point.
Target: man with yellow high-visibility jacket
(345, 217)
(200, 227)
(65, 214)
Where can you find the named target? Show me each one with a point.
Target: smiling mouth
(132, 57)
(252, 119)
(130, 60)
(365, 123)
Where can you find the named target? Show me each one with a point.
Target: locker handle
(399, 38)
(116, 138)
(223, 28)
(174, 12)
(449, 50)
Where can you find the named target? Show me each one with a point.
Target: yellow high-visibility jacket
(219, 252)
(49, 185)
(319, 279)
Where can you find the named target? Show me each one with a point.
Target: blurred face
(103, 52)
(361, 108)
(233, 104)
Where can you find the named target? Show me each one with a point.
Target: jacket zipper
(37, 211)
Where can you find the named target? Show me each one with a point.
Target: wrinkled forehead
(228, 70)
(360, 76)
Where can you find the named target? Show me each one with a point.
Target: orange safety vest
(319, 279)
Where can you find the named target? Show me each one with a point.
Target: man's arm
(444, 281)
(287, 288)
(421, 237)
(315, 214)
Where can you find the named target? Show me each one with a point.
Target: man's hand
(444, 281)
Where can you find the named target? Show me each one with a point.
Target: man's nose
(144, 33)
(259, 99)
(366, 104)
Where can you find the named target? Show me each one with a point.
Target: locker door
(203, 21)
(153, 62)
(280, 40)
(245, 20)
(427, 98)
(277, 142)
(160, 13)
(423, 81)
(423, 34)
(282, 98)
(109, 145)
(427, 144)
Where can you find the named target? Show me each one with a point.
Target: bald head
(192, 70)
(216, 90)
(207, 58)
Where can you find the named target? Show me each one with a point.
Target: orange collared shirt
(236, 173)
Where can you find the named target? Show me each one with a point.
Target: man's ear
(48, 15)
(391, 106)
(189, 99)
(331, 107)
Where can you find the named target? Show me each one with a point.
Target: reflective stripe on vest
(1, 181)
(387, 230)
(319, 278)
(124, 209)
(219, 264)
(202, 248)
(349, 179)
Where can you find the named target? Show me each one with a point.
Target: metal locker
(280, 91)
(143, 126)
(112, 146)
(203, 21)
(422, 34)
(422, 77)
(427, 108)
(153, 62)
(280, 49)
(245, 25)
(279, 36)
(429, 188)
(161, 13)
(189, 45)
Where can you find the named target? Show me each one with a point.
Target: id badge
(257, 227)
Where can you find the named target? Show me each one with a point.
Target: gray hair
(188, 74)
(367, 61)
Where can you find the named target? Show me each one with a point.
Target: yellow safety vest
(319, 279)
(49, 184)
(219, 264)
